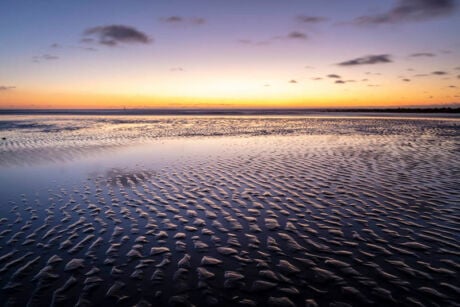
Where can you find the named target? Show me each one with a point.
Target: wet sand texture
(365, 215)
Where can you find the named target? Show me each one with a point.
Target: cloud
(310, 19)
(339, 82)
(250, 42)
(87, 48)
(409, 10)
(176, 69)
(366, 60)
(113, 35)
(334, 76)
(6, 88)
(87, 40)
(294, 35)
(439, 73)
(297, 35)
(44, 57)
(179, 20)
(293, 81)
(406, 80)
(458, 77)
(422, 54)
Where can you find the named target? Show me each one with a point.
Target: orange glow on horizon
(32, 100)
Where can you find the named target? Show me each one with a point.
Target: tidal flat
(229, 210)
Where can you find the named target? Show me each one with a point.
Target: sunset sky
(228, 53)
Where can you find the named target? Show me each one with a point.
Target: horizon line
(455, 108)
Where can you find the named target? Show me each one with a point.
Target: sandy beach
(229, 210)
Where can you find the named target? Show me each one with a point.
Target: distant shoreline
(325, 111)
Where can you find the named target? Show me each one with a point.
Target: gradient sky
(228, 53)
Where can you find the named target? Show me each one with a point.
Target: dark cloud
(334, 76)
(310, 19)
(297, 35)
(183, 20)
(452, 86)
(458, 77)
(293, 81)
(406, 80)
(6, 88)
(439, 73)
(339, 82)
(366, 60)
(55, 45)
(410, 10)
(422, 54)
(113, 35)
(44, 57)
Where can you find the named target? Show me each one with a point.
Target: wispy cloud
(340, 82)
(439, 73)
(253, 43)
(334, 76)
(297, 35)
(409, 10)
(179, 20)
(310, 19)
(6, 88)
(367, 60)
(112, 35)
(44, 57)
(422, 54)
(294, 35)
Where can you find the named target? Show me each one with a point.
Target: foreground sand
(268, 212)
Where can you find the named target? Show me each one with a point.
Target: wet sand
(220, 211)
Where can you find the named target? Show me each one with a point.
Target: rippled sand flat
(229, 211)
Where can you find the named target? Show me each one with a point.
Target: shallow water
(282, 211)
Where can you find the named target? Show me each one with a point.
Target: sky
(229, 53)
